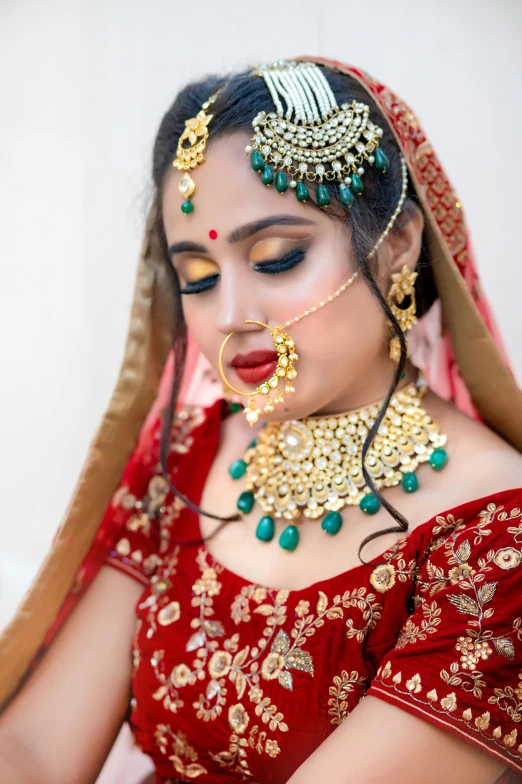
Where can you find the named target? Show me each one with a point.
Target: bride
(294, 551)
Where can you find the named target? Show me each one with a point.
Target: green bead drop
(237, 469)
(346, 197)
(265, 529)
(410, 483)
(322, 196)
(302, 192)
(235, 408)
(252, 445)
(289, 539)
(438, 459)
(281, 182)
(267, 176)
(369, 504)
(257, 161)
(381, 161)
(332, 523)
(245, 502)
(187, 207)
(356, 183)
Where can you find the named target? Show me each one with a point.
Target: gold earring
(270, 389)
(403, 286)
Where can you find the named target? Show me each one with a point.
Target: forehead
(229, 194)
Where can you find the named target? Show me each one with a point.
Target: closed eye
(269, 267)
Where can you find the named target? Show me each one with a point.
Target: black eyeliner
(285, 263)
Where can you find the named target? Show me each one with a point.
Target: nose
(237, 303)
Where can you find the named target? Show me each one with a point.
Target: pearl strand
(311, 97)
(306, 114)
(267, 76)
(319, 92)
(329, 101)
(292, 98)
(395, 215)
(321, 304)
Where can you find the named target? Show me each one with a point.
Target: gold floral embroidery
(411, 632)
(468, 589)
(383, 578)
(184, 757)
(157, 603)
(343, 685)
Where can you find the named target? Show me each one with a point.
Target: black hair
(240, 99)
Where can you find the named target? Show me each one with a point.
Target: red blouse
(234, 681)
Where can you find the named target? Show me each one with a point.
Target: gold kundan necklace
(312, 467)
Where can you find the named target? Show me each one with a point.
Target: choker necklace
(312, 467)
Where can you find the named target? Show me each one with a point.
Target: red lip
(256, 366)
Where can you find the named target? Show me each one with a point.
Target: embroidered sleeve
(129, 534)
(142, 509)
(457, 662)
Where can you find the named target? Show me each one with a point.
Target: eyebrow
(244, 232)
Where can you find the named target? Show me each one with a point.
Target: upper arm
(380, 742)
(71, 708)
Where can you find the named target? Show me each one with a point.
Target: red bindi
(212, 234)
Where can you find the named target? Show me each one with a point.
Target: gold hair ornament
(189, 153)
(270, 389)
(313, 138)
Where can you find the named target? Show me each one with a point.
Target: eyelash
(284, 264)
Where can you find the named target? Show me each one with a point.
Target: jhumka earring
(189, 154)
(314, 138)
(402, 288)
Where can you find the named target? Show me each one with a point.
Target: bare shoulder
(482, 459)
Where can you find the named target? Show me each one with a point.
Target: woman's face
(248, 252)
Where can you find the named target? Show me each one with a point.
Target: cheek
(200, 318)
(349, 331)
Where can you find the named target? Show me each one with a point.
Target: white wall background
(83, 85)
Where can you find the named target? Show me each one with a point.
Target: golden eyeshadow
(273, 248)
(193, 270)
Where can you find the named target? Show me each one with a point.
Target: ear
(402, 245)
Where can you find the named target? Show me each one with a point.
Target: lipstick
(256, 366)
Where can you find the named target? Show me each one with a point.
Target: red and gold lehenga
(223, 668)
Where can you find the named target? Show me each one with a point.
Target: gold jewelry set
(313, 467)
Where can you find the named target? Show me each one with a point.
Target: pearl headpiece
(312, 139)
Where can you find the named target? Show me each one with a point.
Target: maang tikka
(313, 139)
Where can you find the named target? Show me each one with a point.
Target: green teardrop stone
(237, 469)
(267, 176)
(257, 161)
(265, 529)
(301, 191)
(370, 504)
(289, 539)
(357, 184)
(187, 207)
(346, 197)
(410, 483)
(322, 196)
(438, 459)
(245, 502)
(281, 182)
(332, 523)
(381, 161)
(235, 408)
